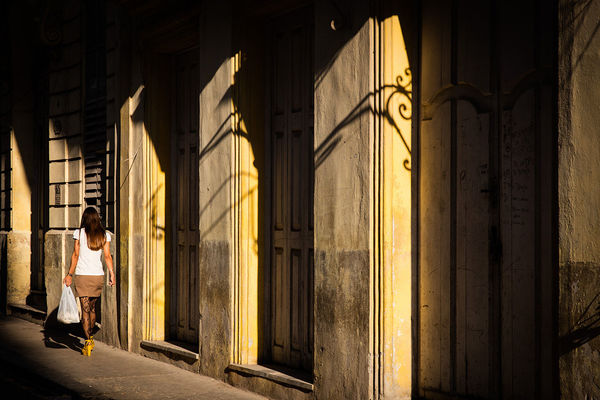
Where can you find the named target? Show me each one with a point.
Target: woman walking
(90, 241)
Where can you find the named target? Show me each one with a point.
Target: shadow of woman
(58, 335)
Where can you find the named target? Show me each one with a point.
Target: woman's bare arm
(109, 263)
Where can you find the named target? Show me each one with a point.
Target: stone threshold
(27, 313)
(276, 375)
(170, 349)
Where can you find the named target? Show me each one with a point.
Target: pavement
(39, 364)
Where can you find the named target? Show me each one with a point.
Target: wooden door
(485, 300)
(292, 191)
(185, 317)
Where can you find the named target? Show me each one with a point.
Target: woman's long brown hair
(96, 235)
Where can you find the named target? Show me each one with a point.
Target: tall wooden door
(485, 300)
(185, 317)
(292, 191)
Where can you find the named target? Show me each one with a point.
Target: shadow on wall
(397, 99)
(574, 14)
(393, 111)
(584, 330)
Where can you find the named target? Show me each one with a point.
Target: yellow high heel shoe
(92, 344)
(87, 348)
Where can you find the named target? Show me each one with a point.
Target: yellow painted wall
(248, 159)
(245, 206)
(396, 218)
(21, 192)
(19, 239)
(157, 131)
(154, 293)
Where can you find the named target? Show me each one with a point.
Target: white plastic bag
(67, 309)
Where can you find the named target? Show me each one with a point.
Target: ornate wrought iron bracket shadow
(402, 87)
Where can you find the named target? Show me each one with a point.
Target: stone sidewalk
(37, 365)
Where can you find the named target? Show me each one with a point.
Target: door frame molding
(158, 282)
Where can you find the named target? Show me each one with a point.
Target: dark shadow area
(60, 336)
(20, 382)
(28, 376)
(39, 192)
(295, 373)
(3, 274)
(184, 345)
(305, 376)
(28, 68)
(5, 117)
(170, 349)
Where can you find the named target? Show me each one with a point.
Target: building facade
(316, 200)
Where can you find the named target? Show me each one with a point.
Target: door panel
(292, 190)
(280, 302)
(185, 270)
(472, 243)
(485, 264)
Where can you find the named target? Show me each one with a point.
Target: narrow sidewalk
(43, 364)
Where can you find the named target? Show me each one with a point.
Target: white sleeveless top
(89, 260)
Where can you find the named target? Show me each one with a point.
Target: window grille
(5, 122)
(96, 148)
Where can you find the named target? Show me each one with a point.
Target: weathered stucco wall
(215, 189)
(18, 262)
(109, 332)
(136, 204)
(343, 161)
(579, 199)
(132, 211)
(123, 90)
(58, 247)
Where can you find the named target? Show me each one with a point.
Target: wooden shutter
(292, 191)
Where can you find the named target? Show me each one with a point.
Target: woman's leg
(85, 316)
(92, 301)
